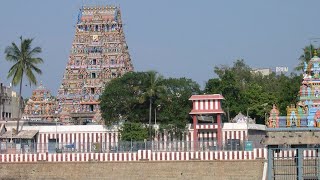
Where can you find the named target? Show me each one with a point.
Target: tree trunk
(19, 105)
(150, 109)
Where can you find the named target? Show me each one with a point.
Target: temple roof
(41, 87)
(240, 118)
(315, 59)
(206, 97)
(24, 134)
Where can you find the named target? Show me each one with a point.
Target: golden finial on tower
(315, 53)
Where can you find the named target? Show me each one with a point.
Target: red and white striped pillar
(195, 132)
(219, 131)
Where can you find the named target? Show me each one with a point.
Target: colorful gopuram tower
(40, 106)
(307, 111)
(297, 133)
(99, 53)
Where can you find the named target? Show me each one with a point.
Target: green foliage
(133, 132)
(253, 93)
(24, 64)
(140, 96)
(175, 106)
(154, 89)
(120, 99)
(24, 61)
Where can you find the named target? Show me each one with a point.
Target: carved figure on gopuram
(99, 50)
(274, 118)
(306, 113)
(40, 106)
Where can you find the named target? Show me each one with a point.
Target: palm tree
(308, 53)
(24, 64)
(154, 89)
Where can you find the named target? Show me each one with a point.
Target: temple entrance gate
(293, 163)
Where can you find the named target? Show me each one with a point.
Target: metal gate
(294, 163)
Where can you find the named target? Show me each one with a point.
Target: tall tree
(120, 99)
(174, 108)
(25, 64)
(154, 89)
(245, 91)
(127, 98)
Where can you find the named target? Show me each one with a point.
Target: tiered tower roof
(40, 106)
(99, 53)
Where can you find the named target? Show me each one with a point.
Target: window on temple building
(93, 75)
(97, 28)
(94, 62)
(91, 107)
(92, 90)
(112, 61)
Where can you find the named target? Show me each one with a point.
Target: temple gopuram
(40, 106)
(295, 138)
(307, 111)
(99, 53)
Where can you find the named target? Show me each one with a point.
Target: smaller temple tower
(206, 115)
(40, 106)
(306, 113)
(298, 132)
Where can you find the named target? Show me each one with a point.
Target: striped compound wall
(148, 155)
(135, 156)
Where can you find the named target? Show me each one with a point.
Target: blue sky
(181, 38)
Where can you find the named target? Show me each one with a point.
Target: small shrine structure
(40, 106)
(206, 114)
(240, 118)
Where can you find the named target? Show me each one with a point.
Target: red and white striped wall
(213, 104)
(206, 104)
(148, 155)
(226, 134)
(292, 153)
(82, 140)
(10, 158)
(207, 126)
(141, 155)
(234, 134)
(83, 157)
